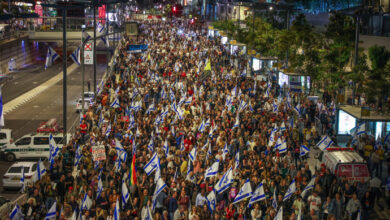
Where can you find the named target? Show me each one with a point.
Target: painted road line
(18, 101)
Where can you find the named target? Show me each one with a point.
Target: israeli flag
(283, 127)
(234, 91)
(151, 108)
(243, 74)
(53, 148)
(229, 101)
(291, 190)
(237, 160)
(202, 127)
(171, 95)
(275, 201)
(1, 110)
(283, 147)
(157, 174)
(41, 171)
(108, 130)
(297, 109)
(225, 182)
(149, 215)
(125, 194)
(257, 195)
(361, 129)
(74, 215)
(279, 215)
(117, 211)
(86, 203)
(151, 165)
(159, 188)
(304, 150)
(151, 145)
(213, 170)
(212, 130)
(100, 187)
(51, 56)
(182, 148)
(237, 122)
(275, 107)
(51, 214)
(16, 213)
(105, 41)
(224, 151)
(76, 56)
(192, 154)
(278, 143)
(188, 101)
(309, 186)
(245, 192)
(359, 215)
(115, 103)
(242, 106)
(22, 180)
(211, 201)
(166, 147)
(324, 143)
(163, 94)
(78, 156)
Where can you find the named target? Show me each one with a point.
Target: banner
(137, 48)
(99, 153)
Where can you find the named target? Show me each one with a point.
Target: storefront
(294, 81)
(237, 48)
(348, 117)
(210, 32)
(261, 64)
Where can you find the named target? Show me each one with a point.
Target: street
(26, 118)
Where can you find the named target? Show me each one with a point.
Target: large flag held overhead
(211, 200)
(52, 213)
(245, 192)
(159, 188)
(309, 186)
(291, 190)
(225, 182)
(258, 194)
(213, 170)
(304, 150)
(51, 56)
(324, 143)
(41, 171)
(125, 194)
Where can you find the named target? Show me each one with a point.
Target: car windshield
(88, 95)
(18, 169)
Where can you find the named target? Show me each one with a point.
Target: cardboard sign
(99, 153)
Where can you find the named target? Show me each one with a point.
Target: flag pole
(82, 69)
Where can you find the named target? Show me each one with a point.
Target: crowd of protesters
(222, 111)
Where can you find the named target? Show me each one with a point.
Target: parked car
(12, 178)
(31, 146)
(5, 136)
(88, 101)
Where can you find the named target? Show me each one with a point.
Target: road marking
(18, 101)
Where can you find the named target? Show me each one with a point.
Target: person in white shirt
(315, 203)
(200, 198)
(256, 212)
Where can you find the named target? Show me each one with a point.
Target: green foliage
(378, 56)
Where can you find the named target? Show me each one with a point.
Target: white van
(5, 136)
(31, 146)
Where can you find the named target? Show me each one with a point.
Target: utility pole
(82, 69)
(94, 47)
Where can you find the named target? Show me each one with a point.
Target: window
(18, 169)
(3, 136)
(34, 167)
(23, 141)
(59, 140)
(41, 140)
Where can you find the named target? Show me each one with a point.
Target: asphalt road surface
(26, 118)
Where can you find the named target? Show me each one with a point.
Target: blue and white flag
(108, 130)
(211, 201)
(202, 127)
(279, 215)
(52, 213)
(359, 215)
(78, 156)
(213, 170)
(86, 203)
(159, 188)
(324, 143)
(234, 91)
(309, 186)
(151, 145)
(1, 110)
(225, 151)
(275, 201)
(117, 211)
(157, 174)
(151, 108)
(76, 56)
(361, 129)
(115, 103)
(149, 215)
(225, 182)
(209, 152)
(283, 127)
(125, 194)
(192, 154)
(22, 180)
(51, 56)
(257, 195)
(163, 94)
(299, 217)
(283, 147)
(297, 109)
(237, 122)
(53, 148)
(151, 165)
(166, 147)
(237, 160)
(304, 150)
(41, 171)
(291, 190)
(16, 213)
(99, 187)
(245, 192)
(242, 106)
